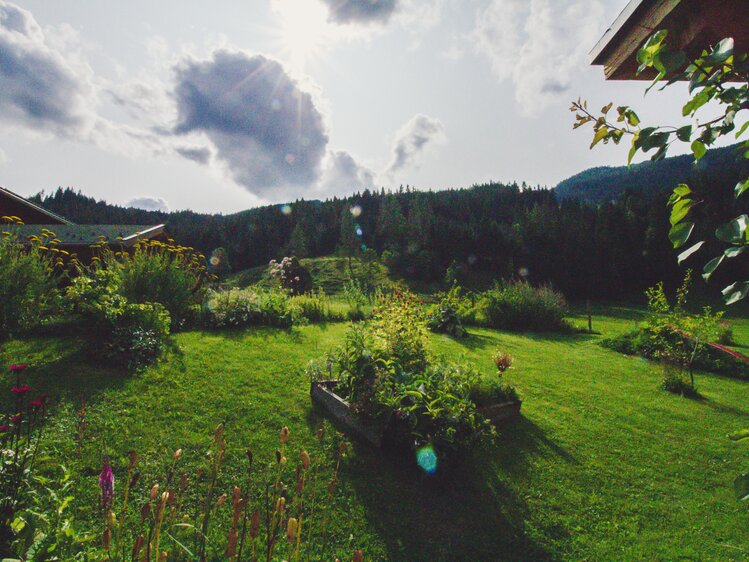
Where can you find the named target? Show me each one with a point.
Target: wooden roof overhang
(693, 25)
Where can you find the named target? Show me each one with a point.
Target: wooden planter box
(323, 393)
(497, 413)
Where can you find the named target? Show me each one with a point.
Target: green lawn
(603, 465)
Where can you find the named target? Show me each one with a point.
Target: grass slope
(329, 273)
(603, 465)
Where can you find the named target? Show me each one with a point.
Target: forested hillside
(720, 166)
(504, 230)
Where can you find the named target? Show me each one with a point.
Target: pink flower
(20, 390)
(106, 484)
(18, 368)
(4, 428)
(36, 404)
(17, 418)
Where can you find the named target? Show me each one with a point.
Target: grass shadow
(475, 513)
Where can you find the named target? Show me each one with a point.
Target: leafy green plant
(444, 316)
(520, 306)
(356, 299)
(29, 275)
(312, 307)
(157, 272)
(713, 77)
(399, 330)
(238, 308)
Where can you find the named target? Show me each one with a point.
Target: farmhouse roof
(692, 25)
(12, 204)
(87, 234)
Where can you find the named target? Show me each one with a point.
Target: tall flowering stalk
(21, 432)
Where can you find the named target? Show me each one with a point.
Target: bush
(520, 306)
(399, 330)
(312, 307)
(119, 331)
(139, 335)
(291, 276)
(502, 361)
(356, 299)
(444, 317)
(671, 335)
(239, 308)
(28, 282)
(158, 272)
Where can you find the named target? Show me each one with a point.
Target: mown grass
(603, 465)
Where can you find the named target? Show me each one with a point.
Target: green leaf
(599, 136)
(680, 210)
(741, 487)
(632, 118)
(741, 187)
(686, 253)
(682, 190)
(734, 251)
(743, 129)
(735, 292)
(711, 266)
(721, 53)
(684, 133)
(733, 231)
(680, 233)
(698, 149)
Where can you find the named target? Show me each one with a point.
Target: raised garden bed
(323, 393)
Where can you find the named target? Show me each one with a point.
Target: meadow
(602, 464)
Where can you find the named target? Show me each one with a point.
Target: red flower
(35, 404)
(4, 428)
(17, 418)
(20, 390)
(18, 368)
(43, 398)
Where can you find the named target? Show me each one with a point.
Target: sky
(219, 107)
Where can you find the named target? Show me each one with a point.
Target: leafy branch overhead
(718, 82)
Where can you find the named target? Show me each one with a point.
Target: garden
(156, 414)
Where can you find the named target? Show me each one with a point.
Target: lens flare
(356, 210)
(426, 458)
(286, 209)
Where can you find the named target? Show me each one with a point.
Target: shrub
(238, 308)
(28, 281)
(291, 276)
(119, 331)
(399, 329)
(158, 272)
(444, 317)
(312, 307)
(671, 335)
(520, 306)
(139, 335)
(356, 299)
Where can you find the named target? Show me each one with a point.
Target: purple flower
(106, 483)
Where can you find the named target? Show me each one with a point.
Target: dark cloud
(265, 128)
(344, 175)
(198, 155)
(361, 11)
(149, 204)
(38, 88)
(413, 139)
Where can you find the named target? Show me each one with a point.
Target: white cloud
(265, 127)
(342, 174)
(42, 89)
(148, 204)
(415, 137)
(538, 44)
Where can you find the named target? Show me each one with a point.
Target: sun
(303, 30)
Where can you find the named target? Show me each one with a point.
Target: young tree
(718, 82)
